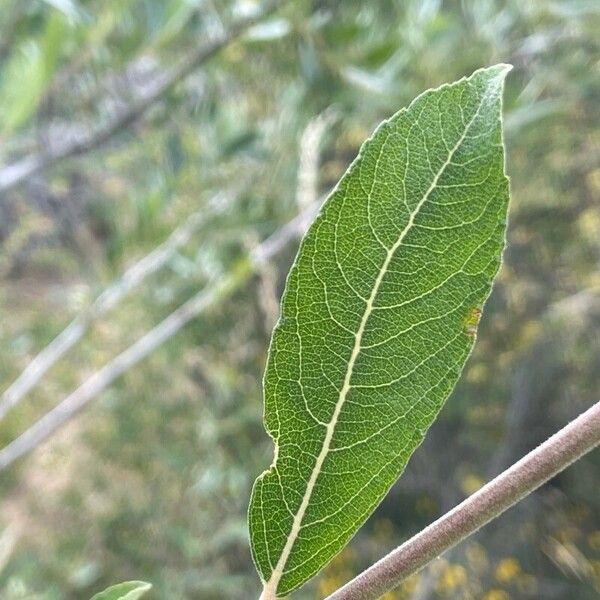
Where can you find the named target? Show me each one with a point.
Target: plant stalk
(567, 445)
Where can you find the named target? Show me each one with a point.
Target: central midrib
(270, 588)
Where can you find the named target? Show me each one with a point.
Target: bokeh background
(147, 149)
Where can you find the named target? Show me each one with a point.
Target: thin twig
(573, 441)
(216, 292)
(16, 173)
(109, 298)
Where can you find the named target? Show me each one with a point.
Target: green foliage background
(152, 481)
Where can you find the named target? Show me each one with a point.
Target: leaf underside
(378, 318)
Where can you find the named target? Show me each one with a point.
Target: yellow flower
(452, 577)
(507, 570)
(470, 484)
(594, 540)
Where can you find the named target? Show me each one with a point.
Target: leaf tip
(500, 71)
(494, 76)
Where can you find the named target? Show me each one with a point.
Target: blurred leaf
(368, 81)
(269, 30)
(238, 143)
(29, 73)
(179, 15)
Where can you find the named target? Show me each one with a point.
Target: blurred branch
(217, 292)
(109, 298)
(16, 173)
(573, 441)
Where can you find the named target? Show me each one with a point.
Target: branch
(573, 441)
(217, 292)
(109, 298)
(16, 173)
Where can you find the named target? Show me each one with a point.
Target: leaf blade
(377, 321)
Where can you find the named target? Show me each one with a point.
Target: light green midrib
(270, 588)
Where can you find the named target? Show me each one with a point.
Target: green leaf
(130, 590)
(378, 318)
(29, 74)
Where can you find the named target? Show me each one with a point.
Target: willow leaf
(378, 318)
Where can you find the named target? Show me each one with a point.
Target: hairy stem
(573, 441)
